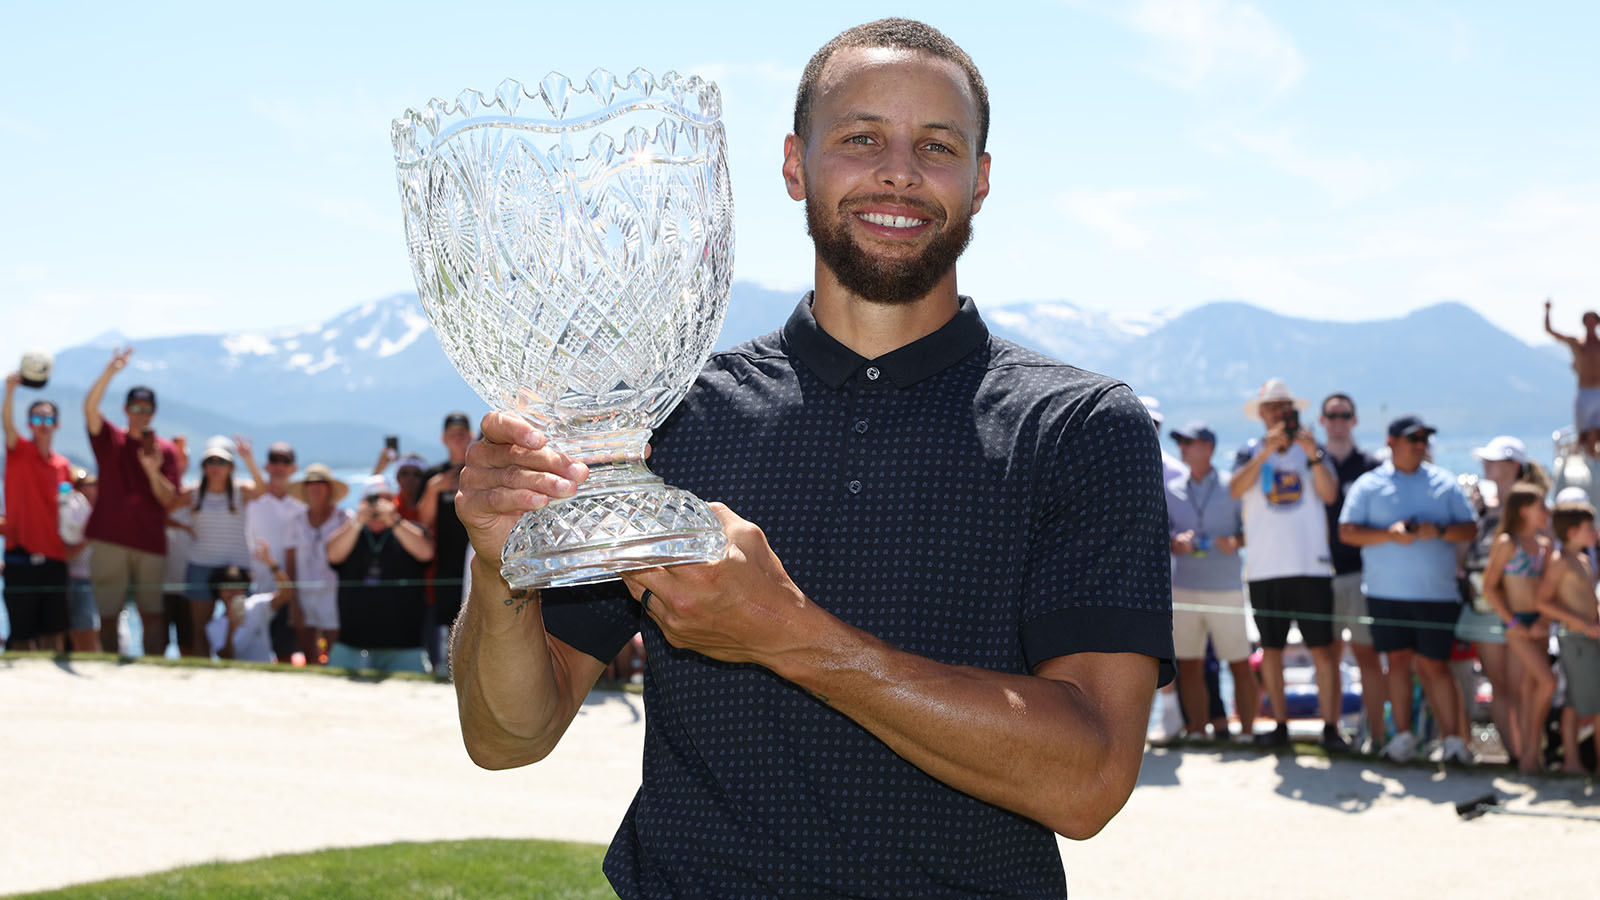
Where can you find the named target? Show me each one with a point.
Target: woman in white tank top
(216, 506)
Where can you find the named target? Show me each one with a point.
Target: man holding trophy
(932, 638)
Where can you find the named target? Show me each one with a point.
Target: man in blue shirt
(1407, 515)
(1207, 588)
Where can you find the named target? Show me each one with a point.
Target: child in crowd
(1511, 579)
(1567, 597)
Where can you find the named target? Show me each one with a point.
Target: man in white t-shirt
(1283, 480)
(269, 518)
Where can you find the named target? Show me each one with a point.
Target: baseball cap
(1572, 494)
(457, 418)
(378, 486)
(140, 394)
(280, 451)
(1409, 425)
(1503, 447)
(412, 460)
(1195, 430)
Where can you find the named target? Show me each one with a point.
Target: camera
(1291, 423)
(392, 442)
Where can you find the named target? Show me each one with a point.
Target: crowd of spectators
(239, 562)
(1384, 563)
(1414, 576)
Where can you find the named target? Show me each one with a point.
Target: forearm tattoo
(520, 599)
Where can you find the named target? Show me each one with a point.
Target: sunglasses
(41, 421)
(1336, 416)
(1419, 437)
(142, 409)
(276, 458)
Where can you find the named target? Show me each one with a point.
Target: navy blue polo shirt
(961, 498)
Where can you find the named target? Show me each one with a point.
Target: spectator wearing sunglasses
(35, 556)
(139, 479)
(1349, 603)
(1407, 516)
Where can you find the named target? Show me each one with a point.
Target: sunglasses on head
(1338, 415)
(41, 420)
(142, 409)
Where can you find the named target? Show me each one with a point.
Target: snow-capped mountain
(335, 388)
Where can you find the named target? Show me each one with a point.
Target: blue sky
(177, 168)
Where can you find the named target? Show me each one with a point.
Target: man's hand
(1277, 439)
(742, 608)
(1228, 543)
(1307, 439)
(1183, 543)
(510, 471)
(118, 361)
(1400, 534)
(150, 457)
(12, 380)
(1427, 531)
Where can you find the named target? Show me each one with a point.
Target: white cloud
(1110, 213)
(1202, 46)
(1345, 177)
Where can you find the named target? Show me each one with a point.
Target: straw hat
(318, 472)
(1274, 391)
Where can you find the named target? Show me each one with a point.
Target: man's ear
(794, 166)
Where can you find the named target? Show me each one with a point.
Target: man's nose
(899, 168)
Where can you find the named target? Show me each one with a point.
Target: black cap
(140, 393)
(1409, 425)
(1195, 430)
(457, 418)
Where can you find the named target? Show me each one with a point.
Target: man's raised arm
(1569, 341)
(517, 688)
(97, 391)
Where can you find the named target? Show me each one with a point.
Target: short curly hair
(901, 34)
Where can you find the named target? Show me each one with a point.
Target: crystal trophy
(573, 248)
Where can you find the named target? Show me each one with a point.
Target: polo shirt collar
(834, 363)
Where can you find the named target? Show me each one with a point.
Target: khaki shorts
(1349, 606)
(1217, 614)
(115, 571)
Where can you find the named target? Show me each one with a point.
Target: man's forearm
(1063, 754)
(511, 694)
(1244, 477)
(163, 489)
(415, 541)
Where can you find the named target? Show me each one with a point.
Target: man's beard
(891, 282)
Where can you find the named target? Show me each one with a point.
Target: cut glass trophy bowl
(573, 247)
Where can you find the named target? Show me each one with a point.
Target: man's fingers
(507, 428)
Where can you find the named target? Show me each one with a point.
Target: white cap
(1503, 447)
(1572, 494)
(378, 485)
(1153, 406)
(35, 368)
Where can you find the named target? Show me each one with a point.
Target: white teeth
(892, 221)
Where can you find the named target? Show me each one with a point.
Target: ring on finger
(644, 600)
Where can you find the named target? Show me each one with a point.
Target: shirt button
(853, 487)
(872, 373)
(861, 427)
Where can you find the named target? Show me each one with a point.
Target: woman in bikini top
(1517, 558)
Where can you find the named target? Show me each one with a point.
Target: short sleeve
(1460, 509)
(1099, 569)
(597, 619)
(1355, 510)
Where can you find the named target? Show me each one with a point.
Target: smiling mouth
(888, 221)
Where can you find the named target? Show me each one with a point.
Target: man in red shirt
(36, 558)
(139, 476)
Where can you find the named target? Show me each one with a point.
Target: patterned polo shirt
(961, 498)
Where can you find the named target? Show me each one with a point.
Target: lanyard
(1200, 508)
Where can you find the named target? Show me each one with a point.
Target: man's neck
(1411, 471)
(1339, 447)
(278, 490)
(872, 329)
(1199, 473)
(43, 445)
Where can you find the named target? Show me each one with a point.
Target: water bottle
(1267, 476)
(1202, 546)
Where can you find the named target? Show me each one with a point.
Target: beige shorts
(1219, 615)
(1350, 608)
(115, 571)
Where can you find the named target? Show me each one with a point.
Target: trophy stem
(623, 517)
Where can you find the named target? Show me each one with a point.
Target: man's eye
(858, 139)
(937, 147)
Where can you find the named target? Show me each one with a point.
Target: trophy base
(596, 535)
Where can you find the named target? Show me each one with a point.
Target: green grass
(448, 869)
